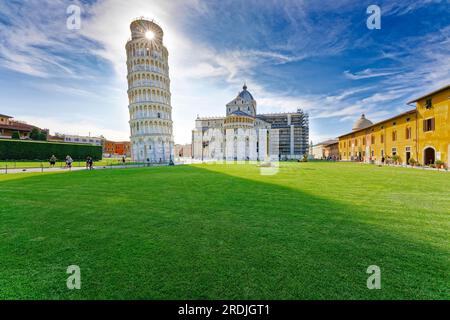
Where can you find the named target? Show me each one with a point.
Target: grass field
(227, 232)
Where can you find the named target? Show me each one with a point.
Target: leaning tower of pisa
(149, 93)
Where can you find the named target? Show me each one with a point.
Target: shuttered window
(428, 125)
(408, 133)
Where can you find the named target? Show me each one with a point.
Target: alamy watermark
(74, 280)
(73, 21)
(374, 20)
(374, 280)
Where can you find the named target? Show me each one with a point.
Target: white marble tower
(149, 94)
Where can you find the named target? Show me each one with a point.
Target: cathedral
(245, 135)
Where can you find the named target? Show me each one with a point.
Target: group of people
(69, 162)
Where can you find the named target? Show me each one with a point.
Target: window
(408, 133)
(394, 135)
(382, 153)
(344, 144)
(428, 125)
(394, 151)
(428, 103)
(372, 138)
(364, 141)
(356, 142)
(382, 138)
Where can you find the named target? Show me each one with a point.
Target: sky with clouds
(315, 55)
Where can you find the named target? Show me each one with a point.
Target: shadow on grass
(191, 233)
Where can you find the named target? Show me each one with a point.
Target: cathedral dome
(362, 123)
(245, 95)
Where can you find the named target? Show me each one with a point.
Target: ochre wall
(359, 143)
(439, 139)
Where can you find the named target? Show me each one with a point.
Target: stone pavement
(59, 169)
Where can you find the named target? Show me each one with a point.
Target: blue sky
(315, 55)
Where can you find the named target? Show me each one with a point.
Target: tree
(15, 135)
(38, 135)
(34, 135)
(42, 136)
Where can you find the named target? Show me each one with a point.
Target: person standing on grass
(88, 163)
(91, 163)
(124, 159)
(52, 161)
(69, 162)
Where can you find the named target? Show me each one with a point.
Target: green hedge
(34, 150)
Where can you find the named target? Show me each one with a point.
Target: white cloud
(369, 73)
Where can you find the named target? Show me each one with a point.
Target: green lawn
(227, 232)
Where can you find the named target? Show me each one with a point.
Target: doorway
(408, 155)
(429, 156)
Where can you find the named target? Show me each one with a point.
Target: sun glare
(150, 35)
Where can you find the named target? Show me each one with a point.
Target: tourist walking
(69, 162)
(52, 161)
(91, 163)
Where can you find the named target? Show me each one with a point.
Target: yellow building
(422, 134)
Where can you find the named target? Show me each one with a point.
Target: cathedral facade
(245, 135)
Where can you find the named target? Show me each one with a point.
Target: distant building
(96, 141)
(422, 134)
(113, 148)
(245, 135)
(326, 149)
(76, 139)
(9, 126)
(183, 151)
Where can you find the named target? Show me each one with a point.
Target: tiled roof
(327, 142)
(17, 126)
(382, 121)
(430, 94)
(240, 113)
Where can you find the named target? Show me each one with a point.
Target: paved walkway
(59, 169)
